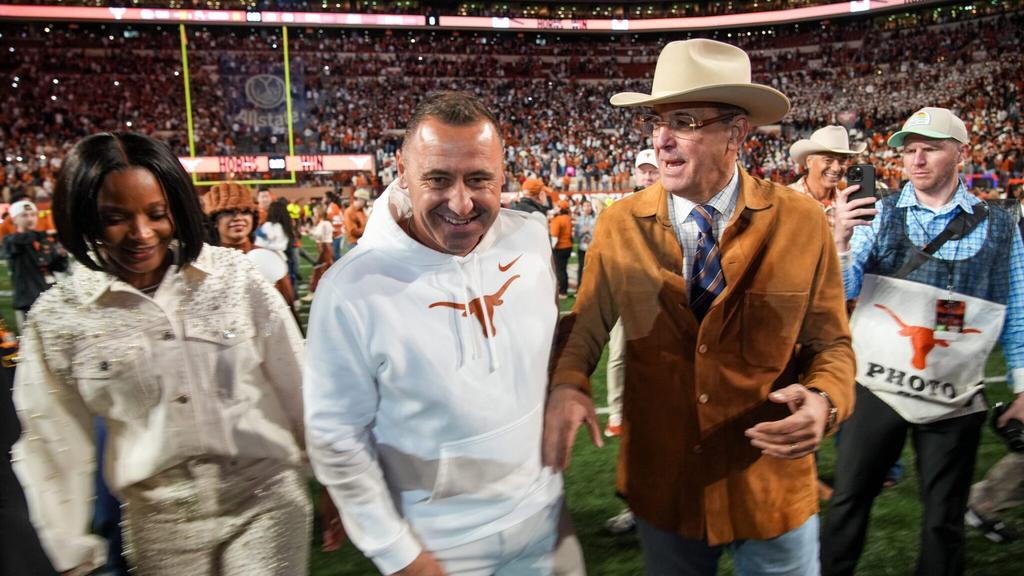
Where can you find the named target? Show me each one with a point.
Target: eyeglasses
(680, 124)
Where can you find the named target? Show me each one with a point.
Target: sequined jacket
(210, 365)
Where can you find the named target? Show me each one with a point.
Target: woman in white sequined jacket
(192, 359)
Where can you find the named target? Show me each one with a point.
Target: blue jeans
(292, 255)
(794, 553)
(107, 510)
(336, 247)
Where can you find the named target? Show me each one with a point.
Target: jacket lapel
(745, 237)
(652, 202)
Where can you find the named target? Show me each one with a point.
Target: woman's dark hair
(278, 213)
(75, 203)
(213, 234)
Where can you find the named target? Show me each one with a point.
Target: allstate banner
(255, 93)
(923, 374)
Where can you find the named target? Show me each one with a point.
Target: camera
(1012, 433)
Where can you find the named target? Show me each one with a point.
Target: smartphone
(862, 175)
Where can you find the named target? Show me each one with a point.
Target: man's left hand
(1016, 410)
(800, 433)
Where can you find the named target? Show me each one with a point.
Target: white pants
(542, 545)
(616, 369)
(219, 517)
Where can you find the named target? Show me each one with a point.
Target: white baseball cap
(646, 157)
(932, 123)
(20, 206)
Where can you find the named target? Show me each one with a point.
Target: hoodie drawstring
(475, 281)
(488, 322)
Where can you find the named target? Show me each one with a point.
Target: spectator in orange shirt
(355, 217)
(336, 215)
(561, 242)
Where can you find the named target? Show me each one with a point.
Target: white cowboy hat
(704, 70)
(832, 139)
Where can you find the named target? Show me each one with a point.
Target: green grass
(892, 545)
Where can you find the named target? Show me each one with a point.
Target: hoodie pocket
(501, 464)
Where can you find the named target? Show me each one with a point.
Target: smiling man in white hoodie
(427, 364)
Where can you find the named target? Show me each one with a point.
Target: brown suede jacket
(692, 390)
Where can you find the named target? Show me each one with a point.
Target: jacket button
(703, 399)
(168, 335)
(702, 348)
(183, 399)
(698, 449)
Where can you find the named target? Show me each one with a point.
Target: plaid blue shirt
(923, 225)
(680, 211)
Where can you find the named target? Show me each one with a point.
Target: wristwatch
(833, 412)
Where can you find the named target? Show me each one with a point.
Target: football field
(892, 541)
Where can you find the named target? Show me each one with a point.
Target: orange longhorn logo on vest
(922, 338)
(483, 305)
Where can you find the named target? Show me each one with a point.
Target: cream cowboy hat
(832, 139)
(708, 71)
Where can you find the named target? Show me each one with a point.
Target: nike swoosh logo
(509, 265)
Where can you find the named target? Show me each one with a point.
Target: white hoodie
(427, 433)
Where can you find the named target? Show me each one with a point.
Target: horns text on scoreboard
(302, 163)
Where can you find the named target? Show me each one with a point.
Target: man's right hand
(424, 565)
(567, 408)
(848, 215)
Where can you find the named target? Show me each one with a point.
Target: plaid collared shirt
(685, 227)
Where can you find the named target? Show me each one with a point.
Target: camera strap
(958, 228)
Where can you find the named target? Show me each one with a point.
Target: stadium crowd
(544, 9)
(355, 88)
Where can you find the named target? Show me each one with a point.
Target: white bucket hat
(834, 139)
(704, 70)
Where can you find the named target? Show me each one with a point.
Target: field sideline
(892, 541)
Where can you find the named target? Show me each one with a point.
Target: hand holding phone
(862, 175)
(854, 205)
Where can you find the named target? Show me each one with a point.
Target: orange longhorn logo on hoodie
(922, 338)
(483, 305)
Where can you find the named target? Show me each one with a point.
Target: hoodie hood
(384, 233)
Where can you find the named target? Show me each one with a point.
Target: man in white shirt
(427, 364)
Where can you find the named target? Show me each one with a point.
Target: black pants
(581, 257)
(872, 440)
(562, 268)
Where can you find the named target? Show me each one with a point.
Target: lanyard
(950, 264)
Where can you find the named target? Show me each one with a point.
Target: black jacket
(527, 204)
(33, 257)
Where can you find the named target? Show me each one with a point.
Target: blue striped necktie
(707, 280)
